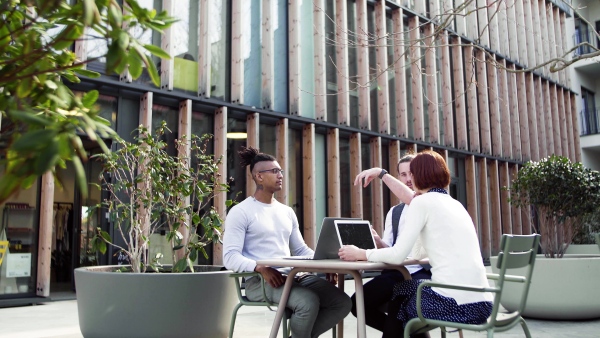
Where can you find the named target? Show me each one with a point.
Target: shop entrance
(74, 222)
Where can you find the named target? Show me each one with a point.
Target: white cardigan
(448, 236)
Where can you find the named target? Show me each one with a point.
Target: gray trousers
(317, 305)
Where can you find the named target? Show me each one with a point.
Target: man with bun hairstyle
(260, 227)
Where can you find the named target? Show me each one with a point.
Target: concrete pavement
(59, 320)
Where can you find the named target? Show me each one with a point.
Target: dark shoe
(420, 335)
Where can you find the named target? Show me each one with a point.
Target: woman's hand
(352, 253)
(366, 176)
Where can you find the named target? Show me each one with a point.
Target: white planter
(146, 305)
(561, 289)
(583, 249)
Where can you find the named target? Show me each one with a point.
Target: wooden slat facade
(44, 261)
(267, 96)
(220, 144)
(320, 61)
(282, 155)
(493, 118)
(447, 102)
(356, 200)
(341, 58)
(377, 186)
(459, 98)
(432, 85)
(309, 186)
(253, 131)
(381, 52)
(471, 98)
(416, 80)
(400, 74)
(333, 173)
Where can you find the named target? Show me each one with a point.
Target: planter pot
(112, 304)
(561, 288)
(583, 249)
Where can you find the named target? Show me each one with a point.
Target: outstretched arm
(404, 193)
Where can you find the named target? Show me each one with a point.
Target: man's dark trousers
(378, 292)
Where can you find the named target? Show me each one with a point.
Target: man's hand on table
(271, 276)
(352, 253)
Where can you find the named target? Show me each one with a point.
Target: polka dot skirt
(436, 306)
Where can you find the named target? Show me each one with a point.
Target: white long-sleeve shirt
(448, 236)
(255, 230)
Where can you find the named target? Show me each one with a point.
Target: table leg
(361, 329)
(340, 326)
(282, 302)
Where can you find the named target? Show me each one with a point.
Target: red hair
(429, 171)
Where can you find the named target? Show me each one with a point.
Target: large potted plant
(152, 191)
(560, 196)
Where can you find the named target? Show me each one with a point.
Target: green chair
(597, 235)
(245, 301)
(516, 251)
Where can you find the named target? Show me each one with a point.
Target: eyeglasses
(274, 171)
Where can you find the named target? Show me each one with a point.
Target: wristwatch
(382, 173)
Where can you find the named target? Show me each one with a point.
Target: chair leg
(285, 330)
(233, 315)
(490, 333)
(443, 329)
(460, 334)
(525, 328)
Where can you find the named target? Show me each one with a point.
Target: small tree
(561, 194)
(42, 120)
(150, 189)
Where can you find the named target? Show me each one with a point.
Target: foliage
(150, 189)
(42, 120)
(590, 226)
(561, 194)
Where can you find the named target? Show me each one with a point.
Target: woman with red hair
(447, 236)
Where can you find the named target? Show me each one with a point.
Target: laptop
(355, 232)
(328, 243)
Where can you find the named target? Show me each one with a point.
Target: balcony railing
(589, 122)
(588, 36)
(562, 4)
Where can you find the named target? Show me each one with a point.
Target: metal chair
(245, 301)
(517, 251)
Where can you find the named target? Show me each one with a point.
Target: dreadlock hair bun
(250, 156)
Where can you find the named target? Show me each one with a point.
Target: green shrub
(562, 195)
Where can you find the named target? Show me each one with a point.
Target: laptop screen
(356, 233)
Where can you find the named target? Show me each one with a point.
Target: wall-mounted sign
(18, 265)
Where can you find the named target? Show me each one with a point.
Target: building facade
(330, 87)
(586, 78)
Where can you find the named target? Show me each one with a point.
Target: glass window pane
(345, 180)
(352, 63)
(330, 57)
(19, 239)
(391, 41)
(267, 141)
(237, 187)
(251, 51)
(295, 198)
(171, 116)
(220, 45)
(281, 56)
(185, 45)
(373, 69)
(307, 73)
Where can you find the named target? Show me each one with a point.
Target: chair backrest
(516, 252)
